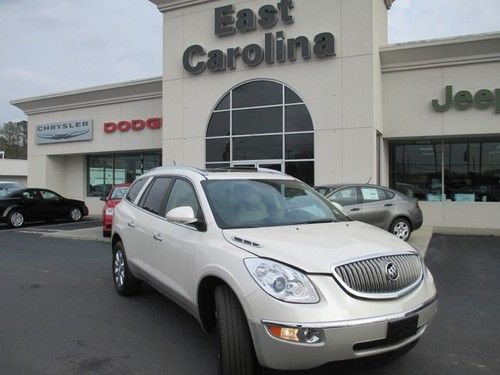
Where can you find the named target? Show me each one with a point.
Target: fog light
(303, 335)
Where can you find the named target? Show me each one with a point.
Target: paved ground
(59, 314)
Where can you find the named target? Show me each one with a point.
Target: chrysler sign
(64, 131)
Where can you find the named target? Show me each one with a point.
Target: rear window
(135, 189)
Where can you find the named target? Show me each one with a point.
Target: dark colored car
(39, 204)
(377, 205)
(114, 197)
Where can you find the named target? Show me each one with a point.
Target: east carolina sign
(463, 100)
(276, 46)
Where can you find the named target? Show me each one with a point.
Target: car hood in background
(314, 248)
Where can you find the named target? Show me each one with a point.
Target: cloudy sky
(55, 45)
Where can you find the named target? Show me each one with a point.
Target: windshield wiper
(319, 221)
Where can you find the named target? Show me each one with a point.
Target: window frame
(364, 201)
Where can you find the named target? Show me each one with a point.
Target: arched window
(262, 124)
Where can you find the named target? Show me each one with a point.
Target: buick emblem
(391, 271)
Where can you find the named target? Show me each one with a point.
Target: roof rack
(179, 167)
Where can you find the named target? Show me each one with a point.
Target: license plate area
(402, 329)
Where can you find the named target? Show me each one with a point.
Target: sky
(47, 46)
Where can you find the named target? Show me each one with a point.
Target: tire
(125, 283)
(16, 219)
(75, 214)
(234, 342)
(401, 228)
(106, 233)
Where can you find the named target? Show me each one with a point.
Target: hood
(314, 248)
(75, 201)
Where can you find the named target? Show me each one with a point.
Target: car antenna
(368, 181)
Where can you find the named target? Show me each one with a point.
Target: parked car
(29, 204)
(379, 206)
(114, 197)
(284, 278)
(7, 187)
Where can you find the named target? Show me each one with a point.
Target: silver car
(377, 205)
(283, 277)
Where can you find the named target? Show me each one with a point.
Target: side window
(345, 197)
(156, 195)
(135, 189)
(371, 194)
(389, 194)
(30, 195)
(49, 195)
(183, 194)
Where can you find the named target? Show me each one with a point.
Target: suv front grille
(381, 277)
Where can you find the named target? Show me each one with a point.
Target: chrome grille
(380, 277)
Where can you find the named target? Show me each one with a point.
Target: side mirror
(338, 207)
(104, 199)
(182, 215)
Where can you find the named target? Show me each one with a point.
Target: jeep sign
(463, 100)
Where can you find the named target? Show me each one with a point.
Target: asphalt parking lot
(60, 315)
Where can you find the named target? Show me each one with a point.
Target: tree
(13, 139)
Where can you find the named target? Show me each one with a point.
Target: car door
(175, 244)
(348, 198)
(31, 202)
(377, 209)
(55, 206)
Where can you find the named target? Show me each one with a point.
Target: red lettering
(138, 124)
(109, 127)
(124, 126)
(154, 123)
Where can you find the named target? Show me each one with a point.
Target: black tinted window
(135, 189)
(156, 195)
(257, 93)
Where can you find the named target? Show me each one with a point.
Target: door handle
(355, 209)
(157, 237)
(131, 224)
(388, 205)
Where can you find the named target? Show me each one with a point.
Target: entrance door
(276, 165)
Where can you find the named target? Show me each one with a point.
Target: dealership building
(310, 88)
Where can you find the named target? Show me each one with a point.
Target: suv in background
(377, 205)
(283, 277)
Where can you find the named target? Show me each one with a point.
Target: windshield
(9, 187)
(119, 192)
(264, 203)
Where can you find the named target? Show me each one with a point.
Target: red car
(114, 197)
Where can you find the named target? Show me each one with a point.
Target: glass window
(299, 146)
(49, 195)
(218, 149)
(291, 97)
(182, 195)
(156, 195)
(257, 93)
(389, 194)
(135, 189)
(224, 103)
(258, 121)
(263, 147)
(298, 119)
(345, 197)
(119, 192)
(127, 168)
(150, 161)
(9, 187)
(303, 170)
(371, 194)
(100, 175)
(219, 124)
(30, 195)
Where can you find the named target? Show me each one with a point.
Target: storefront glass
(262, 124)
(469, 168)
(104, 171)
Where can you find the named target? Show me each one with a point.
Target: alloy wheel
(119, 268)
(76, 214)
(402, 230)
(17, 219)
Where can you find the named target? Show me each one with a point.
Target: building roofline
(460, 50)
(140, 89)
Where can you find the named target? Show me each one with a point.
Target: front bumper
(340, 338)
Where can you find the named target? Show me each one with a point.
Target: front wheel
(75, 214)
(401, 228)
(16, 219)
(125, 283)
(235, 347)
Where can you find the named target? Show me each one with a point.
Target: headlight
(282, 282)
(109, 211)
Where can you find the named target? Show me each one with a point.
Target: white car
(284, 278)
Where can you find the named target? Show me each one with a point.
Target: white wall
(14, 170)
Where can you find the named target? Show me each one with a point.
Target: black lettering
(269, 48)
(188, 57)
(280, 47)
(246, 20)
(232, 54)
(52, 127)
(224, 20)
(304, 45)
(268, 16)
(85, 123)
(39, 128)
(216, 61)
(252, 55)
(285, 6)
(324, 45)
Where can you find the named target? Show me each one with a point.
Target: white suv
(285, 279)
